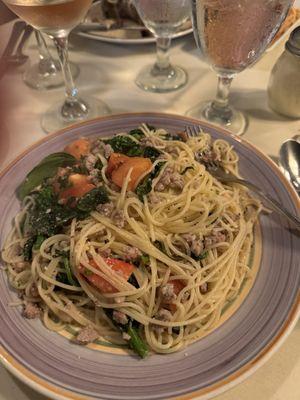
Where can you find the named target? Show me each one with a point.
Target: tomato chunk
(78, 148)
(139, 166)
(122, 268)
(80, 185)
(115, 161)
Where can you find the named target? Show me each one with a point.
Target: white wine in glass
(57, 18)
(232, 35)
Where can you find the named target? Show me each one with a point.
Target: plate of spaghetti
(130, 272)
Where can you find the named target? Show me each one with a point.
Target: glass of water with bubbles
(163, 18)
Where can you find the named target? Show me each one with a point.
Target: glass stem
(222, 97)
(162, 51)
(71, 91)
(42, 47)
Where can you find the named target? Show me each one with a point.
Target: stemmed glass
(46, 74)
(163, 18)
(232, 35)
(57, 18)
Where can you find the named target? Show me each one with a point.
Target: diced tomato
(139, 167)
(80, 185)
(115, 161)
(122, 268)
(178, 285)
(78, 148)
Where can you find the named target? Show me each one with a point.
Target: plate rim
(49, 389)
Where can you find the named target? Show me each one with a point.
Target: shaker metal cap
(293, 44)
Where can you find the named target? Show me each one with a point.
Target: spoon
(289, 159)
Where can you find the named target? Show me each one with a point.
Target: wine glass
(232, 35)
(57, 18)
(163, 18)
(46, 74)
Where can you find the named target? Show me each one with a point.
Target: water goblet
(163, 18)
(232, 35)
(57, 18)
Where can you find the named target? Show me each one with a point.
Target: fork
(217, 171)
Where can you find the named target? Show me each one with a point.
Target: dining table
(107, 72)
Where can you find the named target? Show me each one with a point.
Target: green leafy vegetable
(136, 133)
(38, 242)
(160, 246)
(151, 127)
(27, 249)
(125, 145)
(186, 169)
(173, 136)
(144, 260)
(89, 201)
(201, 256)
(145, 186)
(72, 280)
(47, 216)
(136, 342)
(133, 281)
(45, 169)
(151, 152)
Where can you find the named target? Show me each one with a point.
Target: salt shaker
(284, 83)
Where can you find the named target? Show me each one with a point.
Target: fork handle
(295, 221)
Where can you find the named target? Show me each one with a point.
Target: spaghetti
(162, 253)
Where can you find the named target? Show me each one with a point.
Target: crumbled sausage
(31, 311)
(163, 315)
(120, 317)
(196, 244)
(90, 161)
(87, 335)
(167, 292)
(214, 238)
(204, 288)
(177, 181)
(105, 209)
(154, 199)
(108, 150)
(171, 179)
(34, 290)
(118, 218)
(132, 253)
(105, 253)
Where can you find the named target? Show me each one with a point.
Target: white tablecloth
(107, 71)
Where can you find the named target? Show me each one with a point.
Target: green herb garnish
(45, 169)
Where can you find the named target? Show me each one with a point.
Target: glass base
(37, 78)
(230, 119)
(153, 79)
(90, 107)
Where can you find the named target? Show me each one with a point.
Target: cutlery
(289, 161)
(216, 170)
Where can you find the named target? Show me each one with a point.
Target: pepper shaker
(284, 83)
